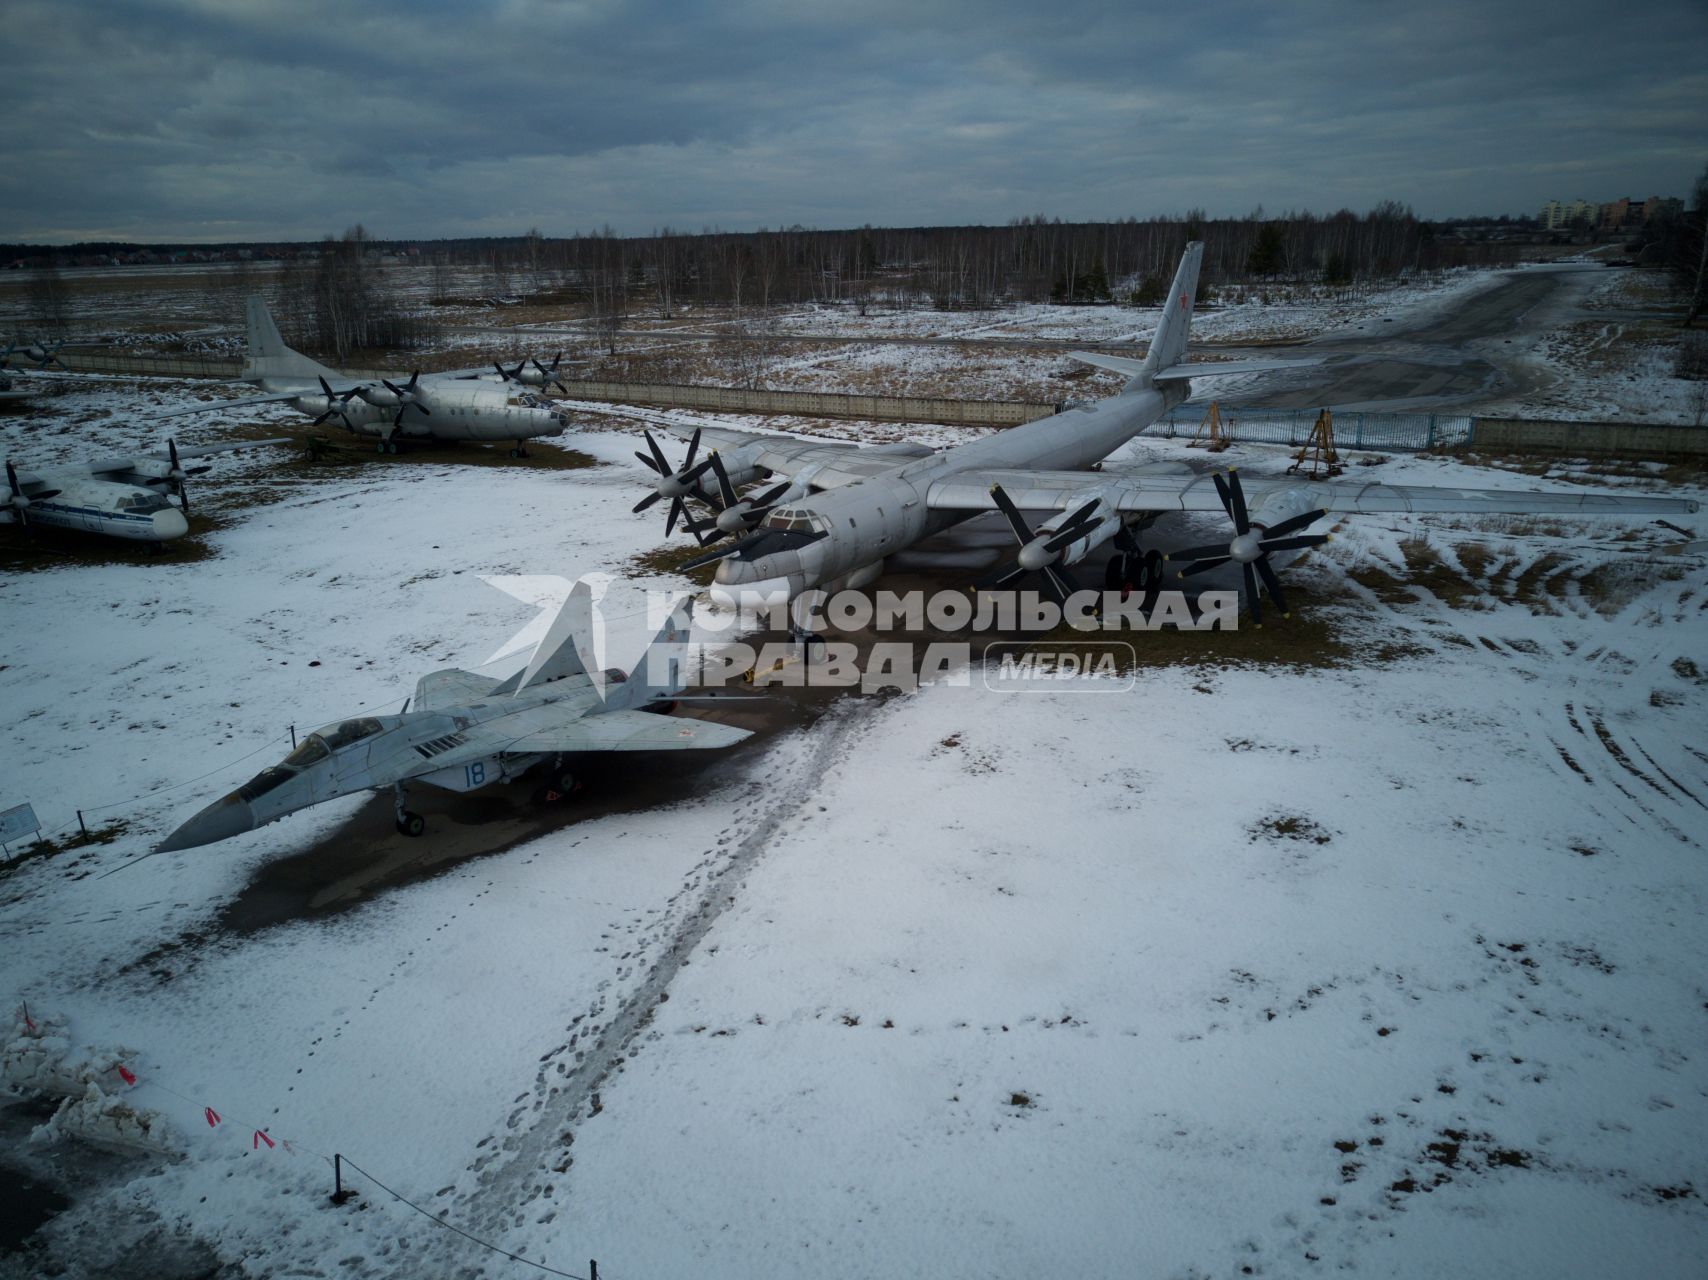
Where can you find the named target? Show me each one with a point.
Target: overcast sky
(255, 119)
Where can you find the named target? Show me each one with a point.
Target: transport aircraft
(125, 497)
(843, 509)
(456, 405)
(469, 731)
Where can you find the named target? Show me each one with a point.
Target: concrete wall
(815, 404)
(1612, 439)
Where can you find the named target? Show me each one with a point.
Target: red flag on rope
(212, 1115)
(126, 1074)
(258, 1139)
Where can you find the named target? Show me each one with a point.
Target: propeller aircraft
(455, 405)
(844, 509)
(126, 497)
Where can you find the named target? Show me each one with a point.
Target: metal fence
(1406, 432)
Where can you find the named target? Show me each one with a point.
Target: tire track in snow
(513, 1179)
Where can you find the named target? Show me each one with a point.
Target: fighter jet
(456, 405)
(120, 497)
(844, 510)
(469, 731)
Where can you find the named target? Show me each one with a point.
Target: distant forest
(333, 287)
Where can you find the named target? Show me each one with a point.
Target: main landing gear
(387, 446)
(560, 785)
(520, 451)
(408, 823)
(1134, 570)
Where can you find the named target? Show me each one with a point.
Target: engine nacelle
(1282, 504)
(1080, 548)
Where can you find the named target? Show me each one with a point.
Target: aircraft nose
(170, 524)
(221, 820)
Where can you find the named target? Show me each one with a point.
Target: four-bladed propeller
(388, 395)
(539, 376)
(1041, 553)
(336, 406)
(16, 500)
(177, 475)
(672, 483)
(1251, 547)
(732, 515)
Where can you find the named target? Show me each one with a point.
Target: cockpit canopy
(142, 504)
(318, 746)
(797, 520)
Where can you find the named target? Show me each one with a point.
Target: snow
(657, 1035)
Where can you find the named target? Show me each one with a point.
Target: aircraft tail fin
(1168, 346)
(268, 356)
(567, 649)
(662, 669)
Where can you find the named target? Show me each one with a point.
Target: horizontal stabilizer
(1228, 369)
(1115, 364)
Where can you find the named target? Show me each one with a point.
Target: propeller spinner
(672, 483)
(1041, 553)
(1251, 547)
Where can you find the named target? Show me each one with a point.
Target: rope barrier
(440, 1222)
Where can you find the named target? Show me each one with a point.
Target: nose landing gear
(408, 823)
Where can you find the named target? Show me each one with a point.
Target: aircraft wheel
(411, 824)
(1115, 572)
(392, 446)
(565, 783)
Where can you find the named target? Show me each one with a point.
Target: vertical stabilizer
(662, 670)
(567, 649)
(268, 358)
(1168, 347)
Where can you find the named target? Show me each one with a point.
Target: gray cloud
(169, 119)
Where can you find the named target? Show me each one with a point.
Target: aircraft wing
(1059, 490)
(212, 406)
(128, 463)
(570, 726)
(783, 455)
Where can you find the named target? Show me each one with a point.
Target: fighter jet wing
(1058, 490)
(569, 726)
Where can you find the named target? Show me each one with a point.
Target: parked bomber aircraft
(470, 731)
(123, 497)
(843, 509)
(457, 405)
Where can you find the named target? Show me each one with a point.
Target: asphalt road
(1453, 355)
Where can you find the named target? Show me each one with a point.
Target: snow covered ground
(1390, 964)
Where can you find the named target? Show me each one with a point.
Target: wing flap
(1057, 490)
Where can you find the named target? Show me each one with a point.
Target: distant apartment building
(1559, 215)
(1615, 215)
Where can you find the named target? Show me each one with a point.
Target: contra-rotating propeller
(672, 483)
(1251, 546)
(15, 498)
(733, 515)
(1041, 553)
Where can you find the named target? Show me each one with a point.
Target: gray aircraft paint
(467, 731)
(855, 507)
